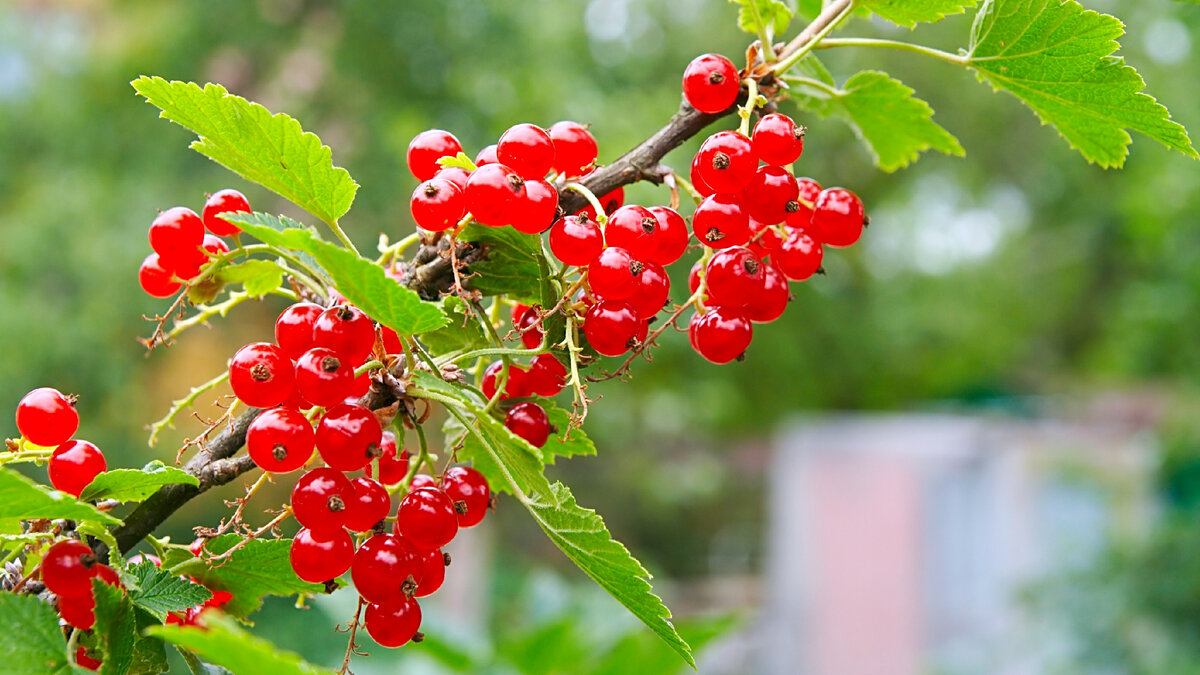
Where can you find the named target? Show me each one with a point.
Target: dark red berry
(493, 191)
(369, 505)
(809, 189)
(720, 222)
(635, 229)
(529, 421)
(426, 518)
(837, 218)
(528, 149)
(323, 378)
(320, 498)
(66, 568)
(575, 148)
(74, 464)
(393, 463)
(387, 566)
(155, 279)
(224, 201)
(769, 302)
(613, 274)
(576, 240)
(347, 331)
(349, 437)
(280, 440)
(778, 141)
(261, 375)
(672, 238)
(437, 204)
(771, 195)
(710, 83)
(486, 156)
(83, 659)
(547, 375)
(721, 334)
(394, 623)
(611, 326)
(515, 387)
(433, 572)
(536, 212)
(530, 323)
(727, 162)
(79, 611)
(427, 148)
(732, 276)
(799, 256)
(175, 235)
(318, 557)
(294, 328)
(465, 484)
(654, 288)
(46, 417)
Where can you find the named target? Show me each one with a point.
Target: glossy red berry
(576, 240)
(720, 222)
(294, 328)
(393, 463)
(733, 275)
(654, 288)
(347, 331)
(422, 480)
(175, 235)
(721, 334)
(698, 180)
(672, 238)
(465, 484)
(79, 611)
(809, 190)
(46, 417)
(212, 247)
(349, 437)
(280, 440)
(320, 498)
(369, 505)
(387, 566)
(433, 572)
(318, 557)
(529, 421)
(528, 149)
(635, 229)
(575, 148)
(261, 375)
(66, 568)
(493, 191)
(224, 201)
(515, 386)
(74, 464)
(694, 276)
(530, 322)
(710, 83)
(426, 518)
(394, 623)
(155, 279)
(427, 148)
(323, 378)
(611, 326)
(799, 256)
(613, 274)
(764, 238)
(455, 174)
(437, 204)
(771, 195)
(536, 212)
(769, 301)
(547, 375)
(838, 217)
(486, 156)
(778, 140)
(727, 162)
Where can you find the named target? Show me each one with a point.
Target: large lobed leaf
(22, 499)
(222, 642)
(243, 136)
(134, 485)
(910, 12)
(258, 569)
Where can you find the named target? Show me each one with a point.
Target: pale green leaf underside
(134, 485)
(243, 136)
(225, 644)
(22, 499)
(1056, 57)
(30, 639)
(911, 12)
(262, 567)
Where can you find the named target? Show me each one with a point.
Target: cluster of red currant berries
(181, 246)
(47, 418)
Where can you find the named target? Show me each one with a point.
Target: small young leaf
(134, 485)
(258, 277)
(510, 266)
(30, 639)
(461, 161)
(271, 150)
(774, 15)
(22, 499)
(260, 568)
(223, 642)
(160, 591)
(909, 12)
(116, 628)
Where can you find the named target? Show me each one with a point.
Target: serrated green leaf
(1056, 57)
(773, 15)
(30, 639)
(510, 266)
(223, 642)
(160, 591)
(134, 485)
(22, 499)
(910, 12)
(260, 568)
(115, 629)
(271, 150)
(462, 333)
(577, 442)
(258, 277)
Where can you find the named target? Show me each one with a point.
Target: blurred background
(971, 447)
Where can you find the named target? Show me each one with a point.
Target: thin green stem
(341, 234)
(894, 44)
(222, 308)
(369, 365)
(497, 351)
(423, 447)
(747, 110)
(763, 34)
(39, 455)
(396, 249)
(814, 83)
(601, 216)
(177, 406)
(809, 42)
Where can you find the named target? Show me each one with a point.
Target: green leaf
(244, 137)
(910, 12)
(22, 499)
(461, 161)
(30, 639)
(222, 642)
(134, 485)
(149, 653)
(258, 277)
(461, 333)
(1056, 57)
(160, 591)
(510, 266)
(116, 628)
(771, 15)
(258, 569)
(577, 443)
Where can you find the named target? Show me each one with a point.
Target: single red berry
(575, 148)
(79, 611)
(635, 229)
(611, 326)
(426, 518)
(486, 156)
(528, 149)
(433, 572)
(280, 440)
(347, 331)
(720, 222)
(46, 417)
(323, 378)
(721, 335)
(294, 328)
(576, 240)
(393, 463)
(694, 276)
(613, 274)
(155, 279)
(465, 484)
(427, 148)
(175, 235)
(66, 568)
(778, 140)
(190, 268)
(530, 322)
(320, 498)
(529, 421)
(769, 302)
(106, 574)
(349, 437)
(369, 505)
(493, 191)
(710, 83)
(764, 238)
(387, 566)
(515, 387)
(698, 180)
(455, 174)
(261, 375)
(422, 480)
(391, 341)
(733, 275)
(536, 212)
(799, 256)
(517, 311)
(727, 162)
(437, 204)
(771, 195)
(318, 557)
(82, 658)
(547, 375)
(809, 190)
(673, 236)
(394, 623)
(224, 201)
(654, 288)
(74, 464)
(837, 218)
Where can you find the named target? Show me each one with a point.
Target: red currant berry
(486, 156)
(493, 192)
(369, 505)
(613, 274)
(837, 218)
(212, 247)
(175, 235)
(609, 202)
(778, 140)
(347, 331)
(46, 417)
(437, 204)
(391, 341)
(349, 437)
(224, 201)
(528, 149)
(694, 276)
(635, 229)
(809, 190)
(320, 499)
(422, 480)
(654, 288)
(322, 378)
(517, 311)
(106, 574)
(720, 222)
(576, 240)
(764, 238)
(769, 302)
(547, 375)
(721, 334)
(280, 440)
(673, 236)
(515, 387)
(79, 611)
(433, 572)
(467, 485)
(393, 463)
(156, 279)
(698, 180)
(710, 83)
(529, 421)
(611, 326)
(733, 275)
(261, 375)
(427, 148)
(318, 557)
(727, 162)
(771, 195)
(294, 328)
(74, 464)
(393, 623)
(66, 568)
(457, 175)
(536, 212)
(387, 566)
(575, 148)
(530, 322)
(82, 658)
(799, 256)
(426, 518)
